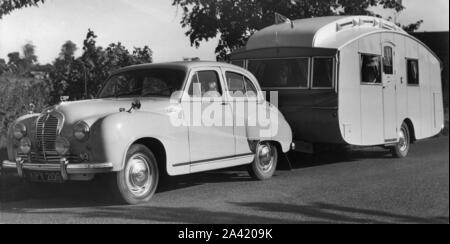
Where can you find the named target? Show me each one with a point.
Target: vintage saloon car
(172, 118)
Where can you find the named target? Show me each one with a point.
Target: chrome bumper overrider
(64, 167)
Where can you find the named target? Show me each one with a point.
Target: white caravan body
(381, 78)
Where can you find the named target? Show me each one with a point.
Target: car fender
(272, 127)
(112, 136)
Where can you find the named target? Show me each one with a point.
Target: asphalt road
(360, 186)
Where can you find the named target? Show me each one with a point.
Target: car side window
(239, 85)
(250, 87)
(205, 84)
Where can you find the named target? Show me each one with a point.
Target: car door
(211, 135)
(242, 107)
(389, 93)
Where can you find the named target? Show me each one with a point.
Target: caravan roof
(323, 32)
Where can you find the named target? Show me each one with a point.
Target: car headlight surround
(62, 145)
(25, 145)
(19, 131)
(81, 131)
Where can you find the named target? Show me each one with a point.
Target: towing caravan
(355, 80)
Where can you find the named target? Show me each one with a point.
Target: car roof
(181, 65)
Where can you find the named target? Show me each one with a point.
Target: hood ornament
(31, 108)
(135, 105)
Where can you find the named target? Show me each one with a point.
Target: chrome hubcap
(138, 175)
(403, 142)
(265, 156)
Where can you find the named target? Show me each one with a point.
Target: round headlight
(25, 145)
(81, 131)
(19, 131)
(62, 145)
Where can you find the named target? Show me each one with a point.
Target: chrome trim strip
(213, 160)
(84, 168)
(8, 165)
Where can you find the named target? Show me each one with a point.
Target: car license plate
(54, 177)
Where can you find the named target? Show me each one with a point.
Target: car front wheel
(137, 182)
(265, 163)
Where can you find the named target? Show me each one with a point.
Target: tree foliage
(23, 80)
(235, 21)
(81, 77)
(7, 6)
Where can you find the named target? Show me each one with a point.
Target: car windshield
(147, 82)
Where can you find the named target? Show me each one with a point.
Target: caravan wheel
(401, 149)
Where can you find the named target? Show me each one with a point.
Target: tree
(235, 21)
(8, 6)
(81, 77)
(22, 64)
(15, 63)
(68, 50)
(29, 56)
(3, 66)
(413, 26)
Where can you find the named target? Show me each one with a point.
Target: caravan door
(389, 94)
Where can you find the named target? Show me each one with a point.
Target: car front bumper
(64, 167)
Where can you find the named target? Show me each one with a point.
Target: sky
(136, 23)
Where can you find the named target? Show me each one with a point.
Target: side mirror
(176, 97)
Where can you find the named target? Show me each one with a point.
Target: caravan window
(370, 69)
(239, 63)
(387, 61)
(281, 73)
(413, 71)
(323, 73)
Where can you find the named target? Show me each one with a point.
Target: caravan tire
(401, 149)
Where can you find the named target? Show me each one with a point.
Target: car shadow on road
(21, 194)
(303, 160)
(268, 213)
(333, 213)
(94, 194)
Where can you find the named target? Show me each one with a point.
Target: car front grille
(46, 132)
(44, 151)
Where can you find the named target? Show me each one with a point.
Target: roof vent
(348, 24)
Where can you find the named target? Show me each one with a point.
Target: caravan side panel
(360, 105)
(438, 102)
(425, 92)
(413, 92)
(349, 95)
(425, 103)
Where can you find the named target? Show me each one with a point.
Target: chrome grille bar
(46, 133)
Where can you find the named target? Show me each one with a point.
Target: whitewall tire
(265, 162)
(137, 182)
(401, 149)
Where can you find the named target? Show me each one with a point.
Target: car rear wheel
(401, 149)
(265, 163)
(137, 182)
